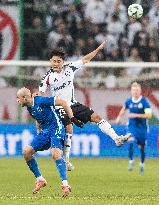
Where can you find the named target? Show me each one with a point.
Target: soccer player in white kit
(59, 81)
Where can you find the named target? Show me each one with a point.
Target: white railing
(122, 81)
(105, 64)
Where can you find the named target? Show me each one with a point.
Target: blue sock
(61, 166)
(131, 151)
(142, 151)
(33, 166)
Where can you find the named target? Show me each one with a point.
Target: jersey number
(62, 112)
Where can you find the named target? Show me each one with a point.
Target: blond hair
(135, 84)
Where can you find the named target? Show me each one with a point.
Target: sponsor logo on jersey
(48, 72)
(67, 73)
(55, 80)
(140, 105)
(39, 109)
(63, 86)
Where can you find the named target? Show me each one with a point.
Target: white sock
(131, 161)
(141, 164)
(107, 129)
(65, 183)
(67, 147)
(40, 178)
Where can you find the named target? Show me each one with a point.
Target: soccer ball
(135, 11)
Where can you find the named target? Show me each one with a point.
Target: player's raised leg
(61, 167)
(33, 166)
(106, 128)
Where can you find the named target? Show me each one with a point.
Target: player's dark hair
(57, 52)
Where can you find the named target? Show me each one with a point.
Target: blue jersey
(137, 125)
(43, 110)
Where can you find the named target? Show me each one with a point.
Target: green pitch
(93, 182)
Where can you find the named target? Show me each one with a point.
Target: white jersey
(61, 84)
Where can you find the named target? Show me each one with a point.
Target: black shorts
(81, 112)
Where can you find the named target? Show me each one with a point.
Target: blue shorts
(140, 137)
(48, 138)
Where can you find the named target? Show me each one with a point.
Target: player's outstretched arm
(91, 55)
(68, 110)
(121, 113)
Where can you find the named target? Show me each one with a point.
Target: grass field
(93, 182)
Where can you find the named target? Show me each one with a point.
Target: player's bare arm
(91, 55)
(146, 115)
(121, 113)
(64, 104)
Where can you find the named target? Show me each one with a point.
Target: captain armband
(148, 111)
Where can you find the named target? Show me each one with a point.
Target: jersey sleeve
(44, 83)
(46, 101)
(76, 65)
(126, 104)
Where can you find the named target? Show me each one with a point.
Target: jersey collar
(136, 101)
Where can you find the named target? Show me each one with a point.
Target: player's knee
(27, 153)
(56, 153)
(95, 118)
(69, 129)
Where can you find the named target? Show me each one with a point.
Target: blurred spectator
(66, 43)
(96, 11)
(123, 47)
(121, 11)
(141, 42)
(134, 57)
(110, 4)
(81, 45)
(115, 27)
(95, 30)
(152, 50)
(115, 55)
(154, 21)
(131, 28)
(35, 40)
(73, 19)
(154, 14)
(152, 30)
(128, 2)
(91, 44)
(55, 35)
(109, 39)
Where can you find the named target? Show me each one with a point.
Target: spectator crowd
(79, 26)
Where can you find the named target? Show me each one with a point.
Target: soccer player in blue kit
(139, 113)
(51, 133)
